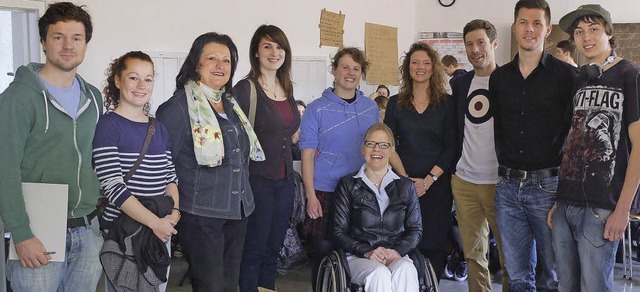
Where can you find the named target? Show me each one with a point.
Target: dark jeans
(213, 249)
(265, 232)
(522, 206)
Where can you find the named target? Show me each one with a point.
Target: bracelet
(424, 184)
(177, 210)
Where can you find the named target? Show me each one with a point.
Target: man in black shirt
(531, 99)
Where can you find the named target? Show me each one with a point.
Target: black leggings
(438, 259)
(320, 249)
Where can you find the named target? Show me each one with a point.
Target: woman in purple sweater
(332, 132)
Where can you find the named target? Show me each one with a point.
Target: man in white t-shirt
(476, 172)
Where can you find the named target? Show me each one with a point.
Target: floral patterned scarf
(205, 130)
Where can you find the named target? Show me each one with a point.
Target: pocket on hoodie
(59, 176)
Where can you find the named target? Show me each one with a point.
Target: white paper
(46, 205)
(297, 166)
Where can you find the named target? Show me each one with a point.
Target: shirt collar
(387, 179)
(544, 60)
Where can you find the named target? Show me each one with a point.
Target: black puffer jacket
(358, 227)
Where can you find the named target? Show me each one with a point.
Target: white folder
(46, 205)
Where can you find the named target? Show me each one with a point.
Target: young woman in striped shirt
(118, 141)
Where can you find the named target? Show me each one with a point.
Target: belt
(524, 174)
(80, 221)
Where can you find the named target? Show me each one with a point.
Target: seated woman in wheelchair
(377, 219)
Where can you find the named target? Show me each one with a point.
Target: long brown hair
(274, 34)
(437, 89)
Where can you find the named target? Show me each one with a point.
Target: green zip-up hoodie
(40, 142)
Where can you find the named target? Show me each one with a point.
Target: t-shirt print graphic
(590, 152)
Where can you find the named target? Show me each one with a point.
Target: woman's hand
(428, 181)
(421, 188)
(379, 255)
(314, 209)
(163, 228)
(175, 215)
(391, 256)
(296, 136)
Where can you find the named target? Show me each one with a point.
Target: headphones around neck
(592, 72)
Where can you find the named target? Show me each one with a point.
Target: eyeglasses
(372, 144)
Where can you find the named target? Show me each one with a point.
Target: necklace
(420, 102)
(371, 177)
(267, 89)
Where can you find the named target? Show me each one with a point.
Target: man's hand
(550, 215)
(616, 225)
(31, 253)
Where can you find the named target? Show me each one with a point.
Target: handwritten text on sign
(331, 28)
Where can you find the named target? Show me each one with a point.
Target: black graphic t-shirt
(596, 151)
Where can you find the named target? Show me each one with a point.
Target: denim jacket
(218, 192)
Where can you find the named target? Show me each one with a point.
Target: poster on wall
(447, 43)
(331, 28)
(381, 49)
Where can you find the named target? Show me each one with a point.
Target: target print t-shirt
(478, 163)
(596, 152)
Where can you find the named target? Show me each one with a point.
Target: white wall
(430, 16)
(171, 26)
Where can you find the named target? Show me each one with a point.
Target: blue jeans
(80, 272)
(522, 206)
(265, 232)
(585, 258)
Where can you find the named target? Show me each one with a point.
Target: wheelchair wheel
(331, 274)
(427, 278)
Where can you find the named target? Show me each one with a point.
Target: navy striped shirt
(116, 146)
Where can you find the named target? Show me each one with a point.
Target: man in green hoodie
(48, 116)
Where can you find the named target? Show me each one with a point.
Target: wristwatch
(433, 176)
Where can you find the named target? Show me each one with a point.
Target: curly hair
(110, 91)
(437, 88)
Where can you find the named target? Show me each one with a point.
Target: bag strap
(252, 103)
(145, 147)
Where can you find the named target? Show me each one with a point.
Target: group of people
(538, 154)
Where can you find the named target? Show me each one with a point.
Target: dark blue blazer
(459, 90)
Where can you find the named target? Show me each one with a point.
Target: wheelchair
(334, 274)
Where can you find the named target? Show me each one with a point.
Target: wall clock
(446, 3)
